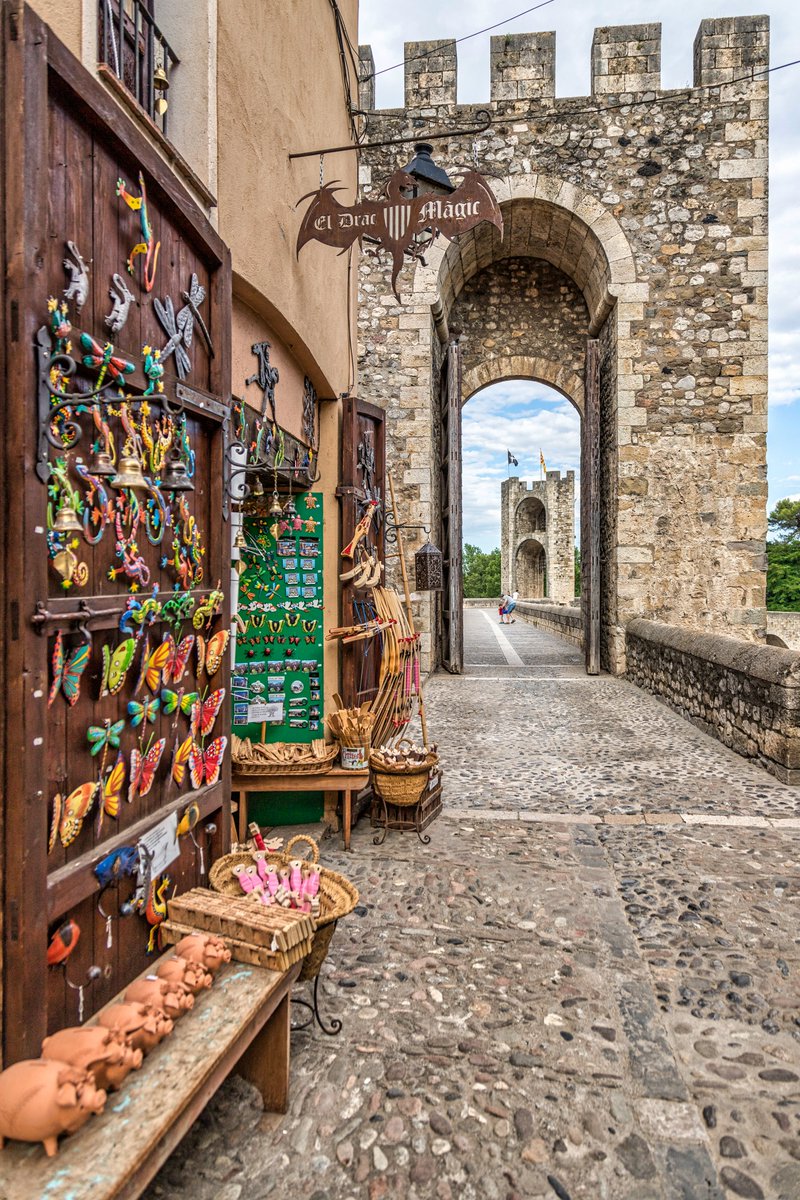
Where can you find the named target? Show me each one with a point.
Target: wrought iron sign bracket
(483, 114)
(392, 527)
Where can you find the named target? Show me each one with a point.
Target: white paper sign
(162, 843)
(270, 713)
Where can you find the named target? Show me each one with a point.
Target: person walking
(507, 608)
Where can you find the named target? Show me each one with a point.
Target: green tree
(783, 557)
(577, 571)
(481, 572)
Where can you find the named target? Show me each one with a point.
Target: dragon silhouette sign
(398, 222)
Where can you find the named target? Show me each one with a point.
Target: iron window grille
(134, 48)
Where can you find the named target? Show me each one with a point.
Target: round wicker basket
(259, 766)
(337, 895)
(402, 785)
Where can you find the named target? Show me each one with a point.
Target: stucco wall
(748, 696)
(280, 90)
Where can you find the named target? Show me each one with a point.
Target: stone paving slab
(566, 994)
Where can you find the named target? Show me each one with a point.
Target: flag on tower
(511, 460)
(542, 463)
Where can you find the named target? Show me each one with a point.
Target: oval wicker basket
(402, 785)
(256, 766)
(337, 895)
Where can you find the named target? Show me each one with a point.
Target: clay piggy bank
(174, 999)
(181, 970)
(103, 1052)
(211, 952)
(40, 1099)
(142, 1025)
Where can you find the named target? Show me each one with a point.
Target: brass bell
(289, 509)
(66, 520)
(258, 488)
(275, 508)
(160, 81)
(175, 477)
(65, 563)
(240, 541)
(129, 474)
(101, 464)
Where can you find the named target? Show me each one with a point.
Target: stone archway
(530, 569)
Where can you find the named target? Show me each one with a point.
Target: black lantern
(428, 568)
(429, 177)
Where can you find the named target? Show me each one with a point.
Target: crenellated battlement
(626, 59)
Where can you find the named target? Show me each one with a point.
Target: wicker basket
(316, 766)
(403, 786)
(337, 895)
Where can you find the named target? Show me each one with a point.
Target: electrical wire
(345, 47)
(465, 38)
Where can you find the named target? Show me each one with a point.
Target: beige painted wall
(280, 90)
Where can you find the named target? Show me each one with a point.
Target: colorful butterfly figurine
(67, 672)
(112, 787)
(101, 736)
(143, 769)
(75, 809)
(180, 758)
(177, 658)
(170, 701)
(204, 713)
(152, 666)
(115, 666)
(55, 821)
(205, 765)
(211, 653)
(146, 711)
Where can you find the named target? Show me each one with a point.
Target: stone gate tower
(635, 220)
(537, 537)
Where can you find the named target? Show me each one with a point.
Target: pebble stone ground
(586, 986)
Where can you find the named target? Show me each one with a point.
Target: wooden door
(450, 489)
(590, 509)
(363, 479)
(66, 149)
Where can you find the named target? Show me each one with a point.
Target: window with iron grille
(134, 48)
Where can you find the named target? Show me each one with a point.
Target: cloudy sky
(522, 416)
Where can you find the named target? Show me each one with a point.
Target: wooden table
(240, 1024)
(337, 780)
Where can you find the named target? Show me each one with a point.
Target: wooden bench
(332, 783)
(240, 1024)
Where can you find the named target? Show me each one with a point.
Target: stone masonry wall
(655, 204)
(786, 626)
(562, 620)
(520, 309)
(748, 696)
(552, 500)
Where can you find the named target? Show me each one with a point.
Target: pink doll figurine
(272, 881)
(312, 882)
(296, 876)
(245, 879)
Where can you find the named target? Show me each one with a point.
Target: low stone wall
(746, 695)
(482, 601)
(786, 626)
(562, 619)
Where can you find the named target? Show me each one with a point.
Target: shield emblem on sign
(398, 217)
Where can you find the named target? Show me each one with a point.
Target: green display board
(277, 685)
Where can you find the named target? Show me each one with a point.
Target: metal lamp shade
(428, 569)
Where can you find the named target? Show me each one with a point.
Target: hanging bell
(129, 474)
(175, 477)
(289, 510)
(275, 508)
(160, 80)
(257, 488)
(66, 520)
(65, 563)
(240, 541)
(101, 464)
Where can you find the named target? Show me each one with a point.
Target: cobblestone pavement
(586, 986)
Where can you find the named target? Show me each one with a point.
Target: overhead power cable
(456, 41)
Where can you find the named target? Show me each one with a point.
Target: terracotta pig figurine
(104, 1052)
(204, 948)
(181, 970)
(41, 1098)
(174, 999)
(142, 1025)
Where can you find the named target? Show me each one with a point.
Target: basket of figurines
(401, 772)
(278, 876)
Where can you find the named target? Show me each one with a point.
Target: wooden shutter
(453, 601)
(590, 509)
(64, 145)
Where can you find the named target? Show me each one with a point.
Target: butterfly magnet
(75, 809)
(143, 769)
(141, 713)
(67, 671)
(152, 666)
(205, 765)
(102, 736)
(177, 658)
(115, 666)
(204, 713)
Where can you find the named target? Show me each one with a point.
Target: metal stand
(402, 823)
(313, 1008)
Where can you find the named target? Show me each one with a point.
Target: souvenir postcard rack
(115, 554)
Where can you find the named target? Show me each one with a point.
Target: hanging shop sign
(400, 222)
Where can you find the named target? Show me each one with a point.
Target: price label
(159, 847)
(268, 713)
